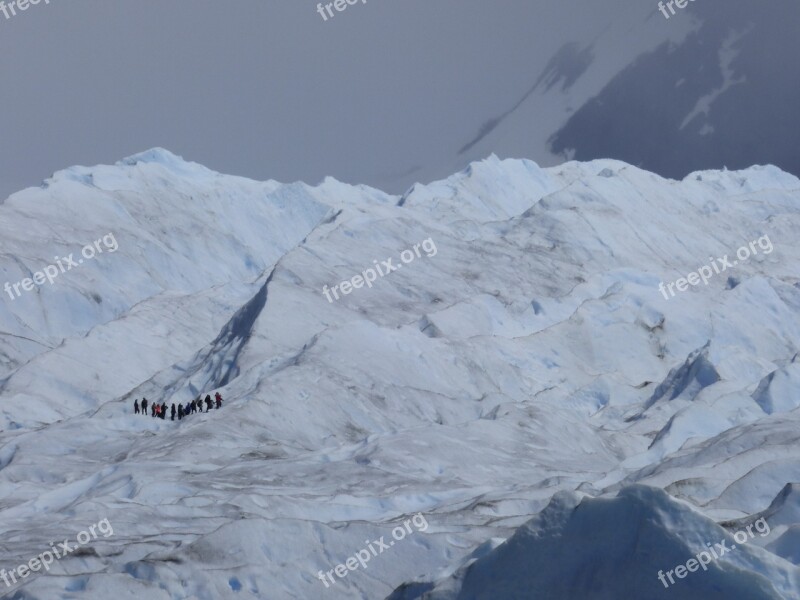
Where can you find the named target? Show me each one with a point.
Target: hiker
(156, 409)
(172, 414)
(219, 400)
(152, 409)
(180, 411)
(188, 409)
(136, 406)
(144, 406)
(163, 410)
(208, 403)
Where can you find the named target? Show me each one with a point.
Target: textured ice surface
(531, 354)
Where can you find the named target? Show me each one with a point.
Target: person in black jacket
(180, 411)
(144, 406)
(172, 413)
(136, 406)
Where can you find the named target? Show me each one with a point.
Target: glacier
(565, 430)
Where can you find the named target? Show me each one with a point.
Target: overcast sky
(264, 88)
(268, 89)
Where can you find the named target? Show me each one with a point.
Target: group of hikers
(160, 410)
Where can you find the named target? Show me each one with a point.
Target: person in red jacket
(218, 397)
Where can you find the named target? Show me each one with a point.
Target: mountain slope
(524, 349)
(706, 88)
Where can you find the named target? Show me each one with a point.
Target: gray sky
(384, 93)
(265, 88)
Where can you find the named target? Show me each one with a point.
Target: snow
(613, 548)
(528, 383)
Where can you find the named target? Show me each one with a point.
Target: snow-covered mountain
(708, 87)
(519, 375)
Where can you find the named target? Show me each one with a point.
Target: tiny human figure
(219, 399)
(136, 406)
(172, 413)
(153, 407)
(144, 406)
(180, 411)
(163, 412)
(208, 403)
